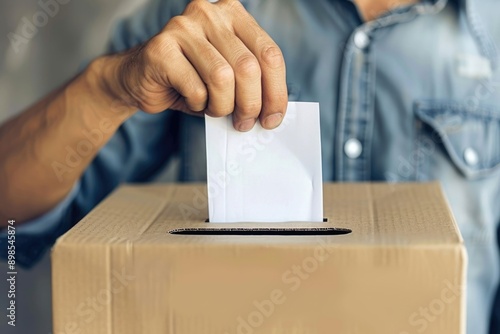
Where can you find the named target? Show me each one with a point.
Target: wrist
(104, 79)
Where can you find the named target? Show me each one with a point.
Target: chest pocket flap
(470, 134)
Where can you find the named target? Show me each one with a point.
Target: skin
(213, 59)
(370, 9)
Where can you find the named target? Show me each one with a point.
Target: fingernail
(246, 125)
(272, 121)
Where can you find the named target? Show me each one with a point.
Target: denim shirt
(411, 96)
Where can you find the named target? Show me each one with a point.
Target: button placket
(355, 110)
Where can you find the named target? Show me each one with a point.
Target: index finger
(272, 63)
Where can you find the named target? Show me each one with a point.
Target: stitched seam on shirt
(486, 44)
(369, 98)
(484, 112)
(342, 109)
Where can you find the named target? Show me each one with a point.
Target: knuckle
(234, 5)
(197, 6)
(207, 14)
(250, 108)
(158, 47)
(272, 56)
(222, 75)
(198, 95)
(247, 66)
(179, 22)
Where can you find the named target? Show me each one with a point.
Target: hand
(214, 58)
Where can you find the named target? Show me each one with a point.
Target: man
(408, 92)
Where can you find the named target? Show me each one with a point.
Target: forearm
(194, 64)
(46, 148)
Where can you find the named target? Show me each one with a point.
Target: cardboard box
(145, 261)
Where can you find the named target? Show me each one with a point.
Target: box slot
(325, 220)
(251, 231)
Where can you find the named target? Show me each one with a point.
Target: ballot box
(387, 258)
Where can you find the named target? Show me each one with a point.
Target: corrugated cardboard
(400, 271)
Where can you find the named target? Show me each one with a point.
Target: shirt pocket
(470, 135)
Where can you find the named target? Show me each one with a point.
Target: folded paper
(266, 175)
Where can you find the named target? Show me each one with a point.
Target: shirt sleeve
(136, 153)
(30, 236)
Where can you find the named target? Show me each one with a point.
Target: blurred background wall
(77, 32)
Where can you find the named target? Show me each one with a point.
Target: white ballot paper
(266, 175)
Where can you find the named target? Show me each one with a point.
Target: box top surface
(403, 252)
(378, 214)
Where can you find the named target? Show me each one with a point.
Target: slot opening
(262, 231)
(325, 220)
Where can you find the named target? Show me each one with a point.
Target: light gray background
(76, 34)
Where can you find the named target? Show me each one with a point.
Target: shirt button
(352, 148)
(470, 156)
(361, 39)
